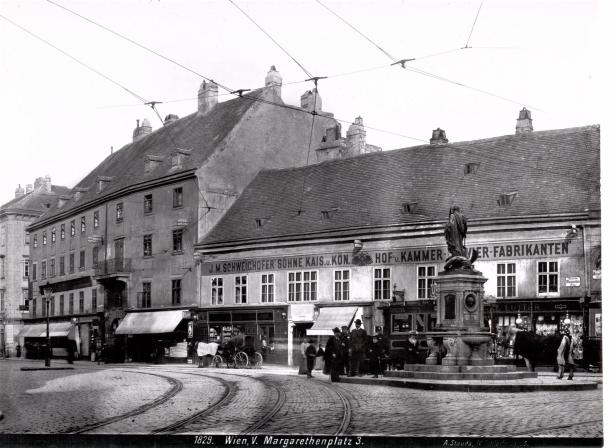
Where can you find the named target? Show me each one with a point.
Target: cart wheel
(217, 361)
(258, 360)
(240, 360)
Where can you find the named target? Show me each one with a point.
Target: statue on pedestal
(455, 234)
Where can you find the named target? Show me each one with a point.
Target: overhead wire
(473, 27)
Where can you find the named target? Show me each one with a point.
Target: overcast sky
(61, 119)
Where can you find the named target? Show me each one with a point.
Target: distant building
(124, 240)
(15, 216)
(369, 240)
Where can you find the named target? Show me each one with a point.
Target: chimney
(356, 137)
(142, 130)
(42, 185)
(29, 188)
(170, 119)
(308, 101)
(207, 97)
(274, 81)
(19, 191)
(439, 137)
(525, 123)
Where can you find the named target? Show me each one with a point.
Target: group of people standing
(345, 353)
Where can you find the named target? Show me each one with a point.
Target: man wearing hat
(359, 341)
(333, 355)
(411, 346)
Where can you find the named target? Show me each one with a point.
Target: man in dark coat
(359, 341)
(311, 356)
(345, 339)
(333, 355)
(411, 348)
(379, 353)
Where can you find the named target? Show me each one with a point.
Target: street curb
(473, 387)
(46, 368)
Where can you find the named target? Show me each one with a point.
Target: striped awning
(331, 317)
(150, 322)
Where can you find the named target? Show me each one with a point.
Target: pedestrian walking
(311, 355)
(320, 361)
(359, 341)
(345, 339)
(333, 355)
(564, 356)
(303, 370)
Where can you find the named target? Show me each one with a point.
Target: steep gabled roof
(35, 202)
(200, 134)
(539, 173)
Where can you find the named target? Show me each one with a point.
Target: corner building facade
(369, 241)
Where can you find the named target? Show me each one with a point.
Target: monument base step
(449, 376)
(460, 369)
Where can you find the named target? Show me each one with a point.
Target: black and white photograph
(304, 223)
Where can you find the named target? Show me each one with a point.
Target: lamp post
(48, 293)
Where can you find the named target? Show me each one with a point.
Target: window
(34, 272)
(62, 265)
(177, 240)
(71, 263)
(44, 306)
(44, 237)
(267, 288)
(83, 224)
(341, 284)
(240, 289)
(119, 212)
(94, 299)
(62, 231)
(82, 260)
(176, 291)
(217, 291)
(382, 282)
(302, 286)
(425, 279)
(81, 302)
(146, 295)
(147, 245)
(43, 269)
(547, 277)
(505, 280)
(52, 306)
(35, 243)
(73, 228)
(33, 307)
(178, 197)
(26, 268)
(71, 305)
(94, 256)
(1, 300)
(52, 267)
(147, 203)
(53, 235)
(61, 304)
(95, 220)
(27, 237)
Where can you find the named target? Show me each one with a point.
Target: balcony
(117, 267)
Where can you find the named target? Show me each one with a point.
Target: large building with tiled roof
(363, 237)
(15, 216)
(123, 240)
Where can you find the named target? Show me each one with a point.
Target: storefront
(33, 339)
(156, 336)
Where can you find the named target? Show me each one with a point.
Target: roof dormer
(152, 162)
(178, 160)
(103, 182)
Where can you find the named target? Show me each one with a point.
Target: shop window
(178, 197)
(382, 283)
(505, 280)
(62, 231)
(147, 204)
(176, 291)
(62, 265)
(267, 288)
(81, 302)
(95, 221)
(146, 295)
(53, 235)
(217, 291)
(147, 245)
(302, 285)
(403, 323)
(119, 212)
(94, 299)
(61, 304)
(240, 288)
(425, 279)
(547, 277)
(177, 240)
(341, 284)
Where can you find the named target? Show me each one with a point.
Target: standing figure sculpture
(455, 234)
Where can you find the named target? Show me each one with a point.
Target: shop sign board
(560, 306)
(572, 281)
(405, 255)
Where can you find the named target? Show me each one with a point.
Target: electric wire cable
(473, 27)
